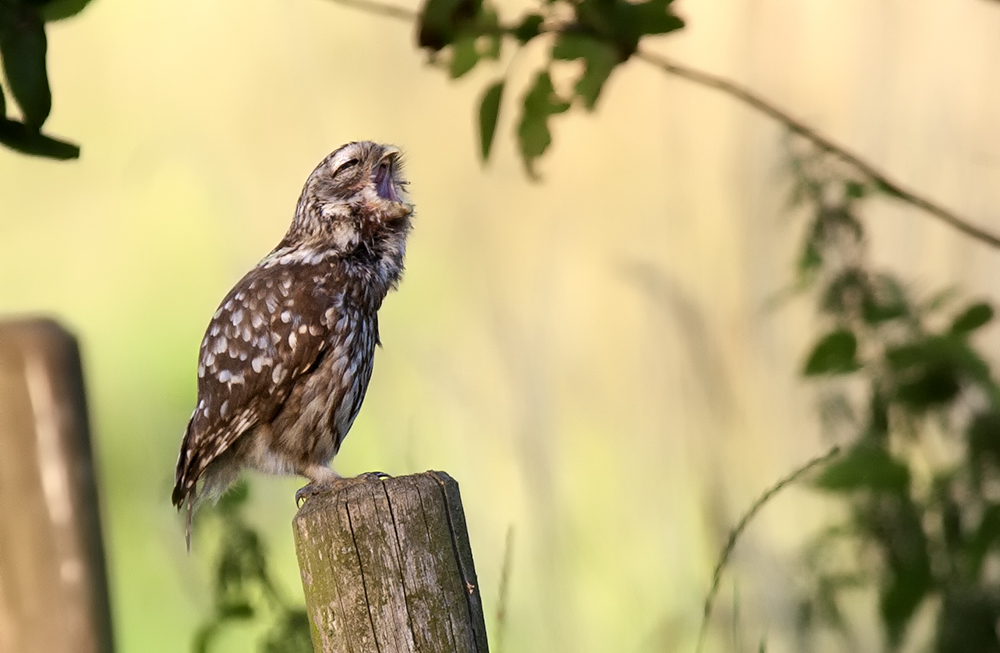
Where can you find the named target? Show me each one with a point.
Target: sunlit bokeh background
(595, 358)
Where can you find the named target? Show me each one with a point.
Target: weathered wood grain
(387, 568)
(53, 592)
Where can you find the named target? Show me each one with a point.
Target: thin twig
(752, 99)
(735, 533)
(755, 101)
(381, 9)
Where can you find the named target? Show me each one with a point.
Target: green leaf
(983, 437)
(886, 300)
(599, 60)
(847, 292)
(856, 292)
(489, 112)
(464, 56)
(540, 103)
(985, 538)
(22, 139)
(967, 622)
(622, 24)
(855, 190)
(865, 467)
(442, 21)
(972, 318)
(928, 373)
(654, 17)
(529, 28)
(236, 610)
(22, 47)
(896, 525)
(834, 354)
(808, 264)
(59, 9)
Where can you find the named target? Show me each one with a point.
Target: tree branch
(754, 101)
(381, 9)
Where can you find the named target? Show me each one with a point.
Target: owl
(287, 357)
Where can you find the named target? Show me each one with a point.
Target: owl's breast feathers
(271, 331)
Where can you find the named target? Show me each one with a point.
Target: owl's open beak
(385, 184)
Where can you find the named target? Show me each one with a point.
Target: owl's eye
(345, 167)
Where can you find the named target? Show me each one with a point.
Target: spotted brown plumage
(286, 359)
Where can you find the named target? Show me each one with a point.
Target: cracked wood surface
(387, 568)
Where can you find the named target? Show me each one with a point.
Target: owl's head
(354, 199)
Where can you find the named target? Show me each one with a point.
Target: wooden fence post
(53, 592)
(387, 568)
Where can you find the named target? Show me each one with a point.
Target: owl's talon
(310, 490)
(373, 476)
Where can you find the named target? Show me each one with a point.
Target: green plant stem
(735, 533)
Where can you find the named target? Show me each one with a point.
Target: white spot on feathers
(224, 376)
(224, 409)
(220, 345)
(201, 371)
(303, 328)
(315, 330)
(292, 340)
(278, 374)
(257, 320)
(286, 316)
(237, 317)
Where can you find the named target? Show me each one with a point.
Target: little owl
(286, 359)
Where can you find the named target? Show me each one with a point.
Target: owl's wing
(270, 330)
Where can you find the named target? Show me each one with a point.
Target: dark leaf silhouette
(489, 113)
(834, 354)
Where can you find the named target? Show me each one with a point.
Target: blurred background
(596, 358)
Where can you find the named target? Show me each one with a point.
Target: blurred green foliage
(602, 34)
(918, 406)
(244, 590)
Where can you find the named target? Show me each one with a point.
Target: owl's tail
(185, 499)
(185, 493)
